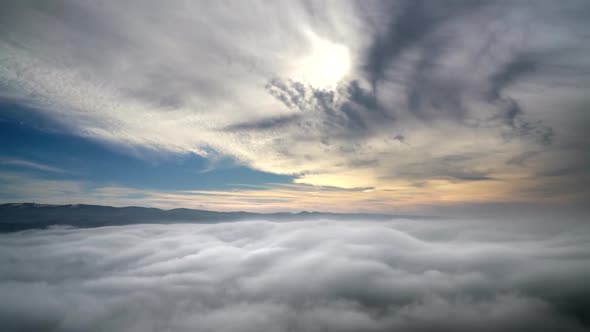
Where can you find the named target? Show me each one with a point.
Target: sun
(326, 64)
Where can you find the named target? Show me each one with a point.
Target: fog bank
(402, 275)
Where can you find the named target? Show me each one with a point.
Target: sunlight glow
(326, 65)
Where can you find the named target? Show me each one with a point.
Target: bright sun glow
(326, 65)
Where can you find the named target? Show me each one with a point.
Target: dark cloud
(363, 163)
(433, 94)
(472, 93)
(346, 112)
(430, 96)
(264, 124)
(448, 275)
(400, 138)
(410, 23)
(509, 110)
(454, 168)
(513, 70)
(522, 158)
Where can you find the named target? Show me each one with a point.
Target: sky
(366, 106)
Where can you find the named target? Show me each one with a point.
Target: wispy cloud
(476, 78)
(32, 165)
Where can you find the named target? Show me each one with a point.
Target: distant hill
(21, 216)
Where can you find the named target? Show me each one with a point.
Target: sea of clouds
(398, 275)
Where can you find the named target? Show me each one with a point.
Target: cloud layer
(442, 96)
(449, 275)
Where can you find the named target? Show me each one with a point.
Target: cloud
(30, 164)
(264, 124)
(226, 80)
(402, 275)
(19, 187)
(410, 24)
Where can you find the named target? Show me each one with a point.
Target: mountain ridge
(22, 216)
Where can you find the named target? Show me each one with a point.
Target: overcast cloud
(403, 275)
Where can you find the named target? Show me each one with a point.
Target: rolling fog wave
(402, 275)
